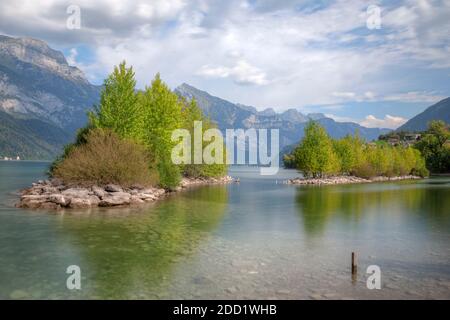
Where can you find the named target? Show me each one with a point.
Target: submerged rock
(18, 294)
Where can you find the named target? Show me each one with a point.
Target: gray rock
(136, 200)
(113, 188)
(153, 191)
(49, 206)
(95, 201)
(99, 192)
(80, 203)
(58, 199)
(111, 201)
(120, 194)
(49, 190)
(32, 201)
(76, 193)
(146, 197)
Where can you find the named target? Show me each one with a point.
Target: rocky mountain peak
(293, 115)
(37, 53)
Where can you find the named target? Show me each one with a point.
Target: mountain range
(44, 100)
(290, 123)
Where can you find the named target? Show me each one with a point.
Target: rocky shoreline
(54, 195)
(346, 180)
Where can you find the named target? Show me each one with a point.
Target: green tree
(118, 109)
(162, 114)
(435, 147)
(349, 152)
(315, 155)
(192, 113)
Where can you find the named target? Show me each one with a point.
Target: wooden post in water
(354, 266)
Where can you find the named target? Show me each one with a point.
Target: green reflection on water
(317, 205)
(133, 256)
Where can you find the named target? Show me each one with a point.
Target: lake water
(258, 239)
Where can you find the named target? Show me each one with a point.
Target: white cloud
(241, 73)
(345, 95)
(391, 122)
(72, 57)
(312, 56)
(406, 97)
(414, 96)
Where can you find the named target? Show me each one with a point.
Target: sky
(377, 63)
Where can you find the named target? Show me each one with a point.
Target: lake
(259, 239)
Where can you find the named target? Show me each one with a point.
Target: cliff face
(39, 87)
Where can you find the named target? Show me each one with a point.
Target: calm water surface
(258, 239)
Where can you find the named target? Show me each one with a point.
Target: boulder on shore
(54, 195)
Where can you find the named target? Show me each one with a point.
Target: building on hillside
(394, 141)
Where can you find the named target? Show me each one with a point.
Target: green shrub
(364, 170)
(315, 155)
(106, 158)
(169, 174)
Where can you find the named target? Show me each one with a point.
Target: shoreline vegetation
(350, 159)
(326, 161)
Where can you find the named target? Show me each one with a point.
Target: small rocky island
(347, 180)
(54, 195)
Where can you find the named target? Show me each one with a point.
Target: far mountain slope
(43, 100)
(438, 111)
(30, 139)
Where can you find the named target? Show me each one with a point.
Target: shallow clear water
(258, 239)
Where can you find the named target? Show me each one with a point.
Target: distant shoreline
(335, 180)
(2, 160)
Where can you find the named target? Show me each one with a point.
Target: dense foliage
(148, 118)
(105, 158)
(435, 147)
(317, 155)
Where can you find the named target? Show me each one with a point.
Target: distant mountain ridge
(438, 111)
(43, 101)
(38, 88)
(291, 122)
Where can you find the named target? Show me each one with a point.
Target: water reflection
(319, 204)
(132, 256)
